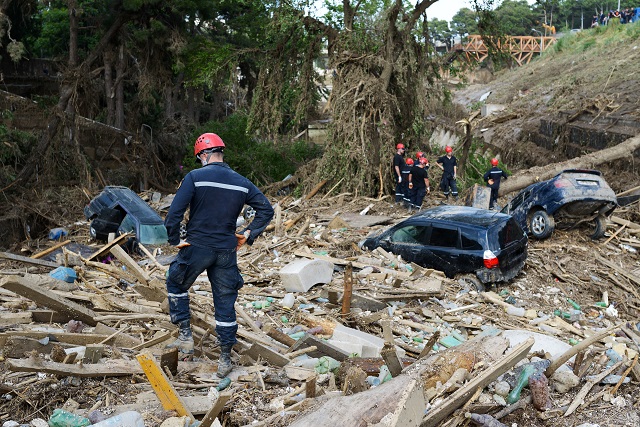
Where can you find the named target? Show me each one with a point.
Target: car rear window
(509, 232)
(470, 239)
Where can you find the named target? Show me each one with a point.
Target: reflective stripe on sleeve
(221, 185)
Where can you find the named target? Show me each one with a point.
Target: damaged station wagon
(484, 246)
(570, 199)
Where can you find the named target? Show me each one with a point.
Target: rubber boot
(224, 363)
(184, 343)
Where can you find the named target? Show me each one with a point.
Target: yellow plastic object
(167, 395)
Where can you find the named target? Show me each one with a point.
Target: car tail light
(562, 183)
(490, 260)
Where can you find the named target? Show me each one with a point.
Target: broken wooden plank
(16, 347)
(339, 261)
(104, 249)
(47, 298)
(457, 399)
(65, 337)
(168, 396)
(15, 318)
(51, 249)
(323, 348)
(27, 260)
(215, 410)
(260, 351)
(110, 368)
(131, 265)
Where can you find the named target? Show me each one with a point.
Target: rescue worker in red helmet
(419, 183)
(492, 177)
(449, 165)
(215, 196)
(398, 164)
(406, 170)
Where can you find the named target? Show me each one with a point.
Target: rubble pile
(329, 334)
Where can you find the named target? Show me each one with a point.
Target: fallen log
(588, 161)
(407, 406)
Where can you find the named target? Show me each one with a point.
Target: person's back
(216, 195)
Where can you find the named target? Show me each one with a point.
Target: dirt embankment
(579, 97)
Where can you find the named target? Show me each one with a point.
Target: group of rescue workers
(412, 177)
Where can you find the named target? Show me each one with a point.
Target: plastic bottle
(288, 300)
(58, 233)
(62, 418)
(125, 419)
(485, 420)
(523, 381)
(516, 311)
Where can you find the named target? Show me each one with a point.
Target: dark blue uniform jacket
(215, 195)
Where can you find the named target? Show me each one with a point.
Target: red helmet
(424, 161)
(419, 154)
(448, 149)
(494, 162)
(409, 162)
(208, 141)
(400, 146)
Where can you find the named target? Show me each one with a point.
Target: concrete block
(488, 109)
(348, 346)
(301, 274)
(371, 345)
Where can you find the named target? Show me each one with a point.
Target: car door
(444, 243)
(409, 242)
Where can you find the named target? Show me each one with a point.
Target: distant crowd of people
(625, 16)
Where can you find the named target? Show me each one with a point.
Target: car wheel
(600, 226)
(471, 281)
(541, 225)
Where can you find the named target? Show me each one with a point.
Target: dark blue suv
(571, 198)
(458, 240)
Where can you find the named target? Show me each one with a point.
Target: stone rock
(175, 422)
(502, 388)
(563, 381)
(39, 422)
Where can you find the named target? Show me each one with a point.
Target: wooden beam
(46, 298)
(168, 396)
(104, 249)
(111, 368)
(212, 414)
(51, 249)
(25, 259)
(323, 348)
(131, 265)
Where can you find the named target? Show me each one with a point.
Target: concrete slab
(371, 345)
(302, 274)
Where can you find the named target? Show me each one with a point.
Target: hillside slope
(579, 97)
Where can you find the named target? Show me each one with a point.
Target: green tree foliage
(440, 32)
(516, 17)
(464, 22)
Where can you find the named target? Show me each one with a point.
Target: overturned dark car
(570, 199)
(485, 246)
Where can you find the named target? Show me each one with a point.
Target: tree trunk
(67, 89)
(406, 408)
(468, 139)
(588, 161)
(73, 34)
(120, 71)
(107, 59)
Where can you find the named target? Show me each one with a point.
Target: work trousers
(225, 279)
(418, 197)
(447, 184)
(494, 197)
(399, 191)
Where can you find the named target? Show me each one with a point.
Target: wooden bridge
(521, 48)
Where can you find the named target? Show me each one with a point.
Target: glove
(242, 239)
(399, 179)
(411, 185)
(182, 244)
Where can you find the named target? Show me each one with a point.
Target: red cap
(448, 149)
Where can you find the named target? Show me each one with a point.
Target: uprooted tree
(382, 73)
